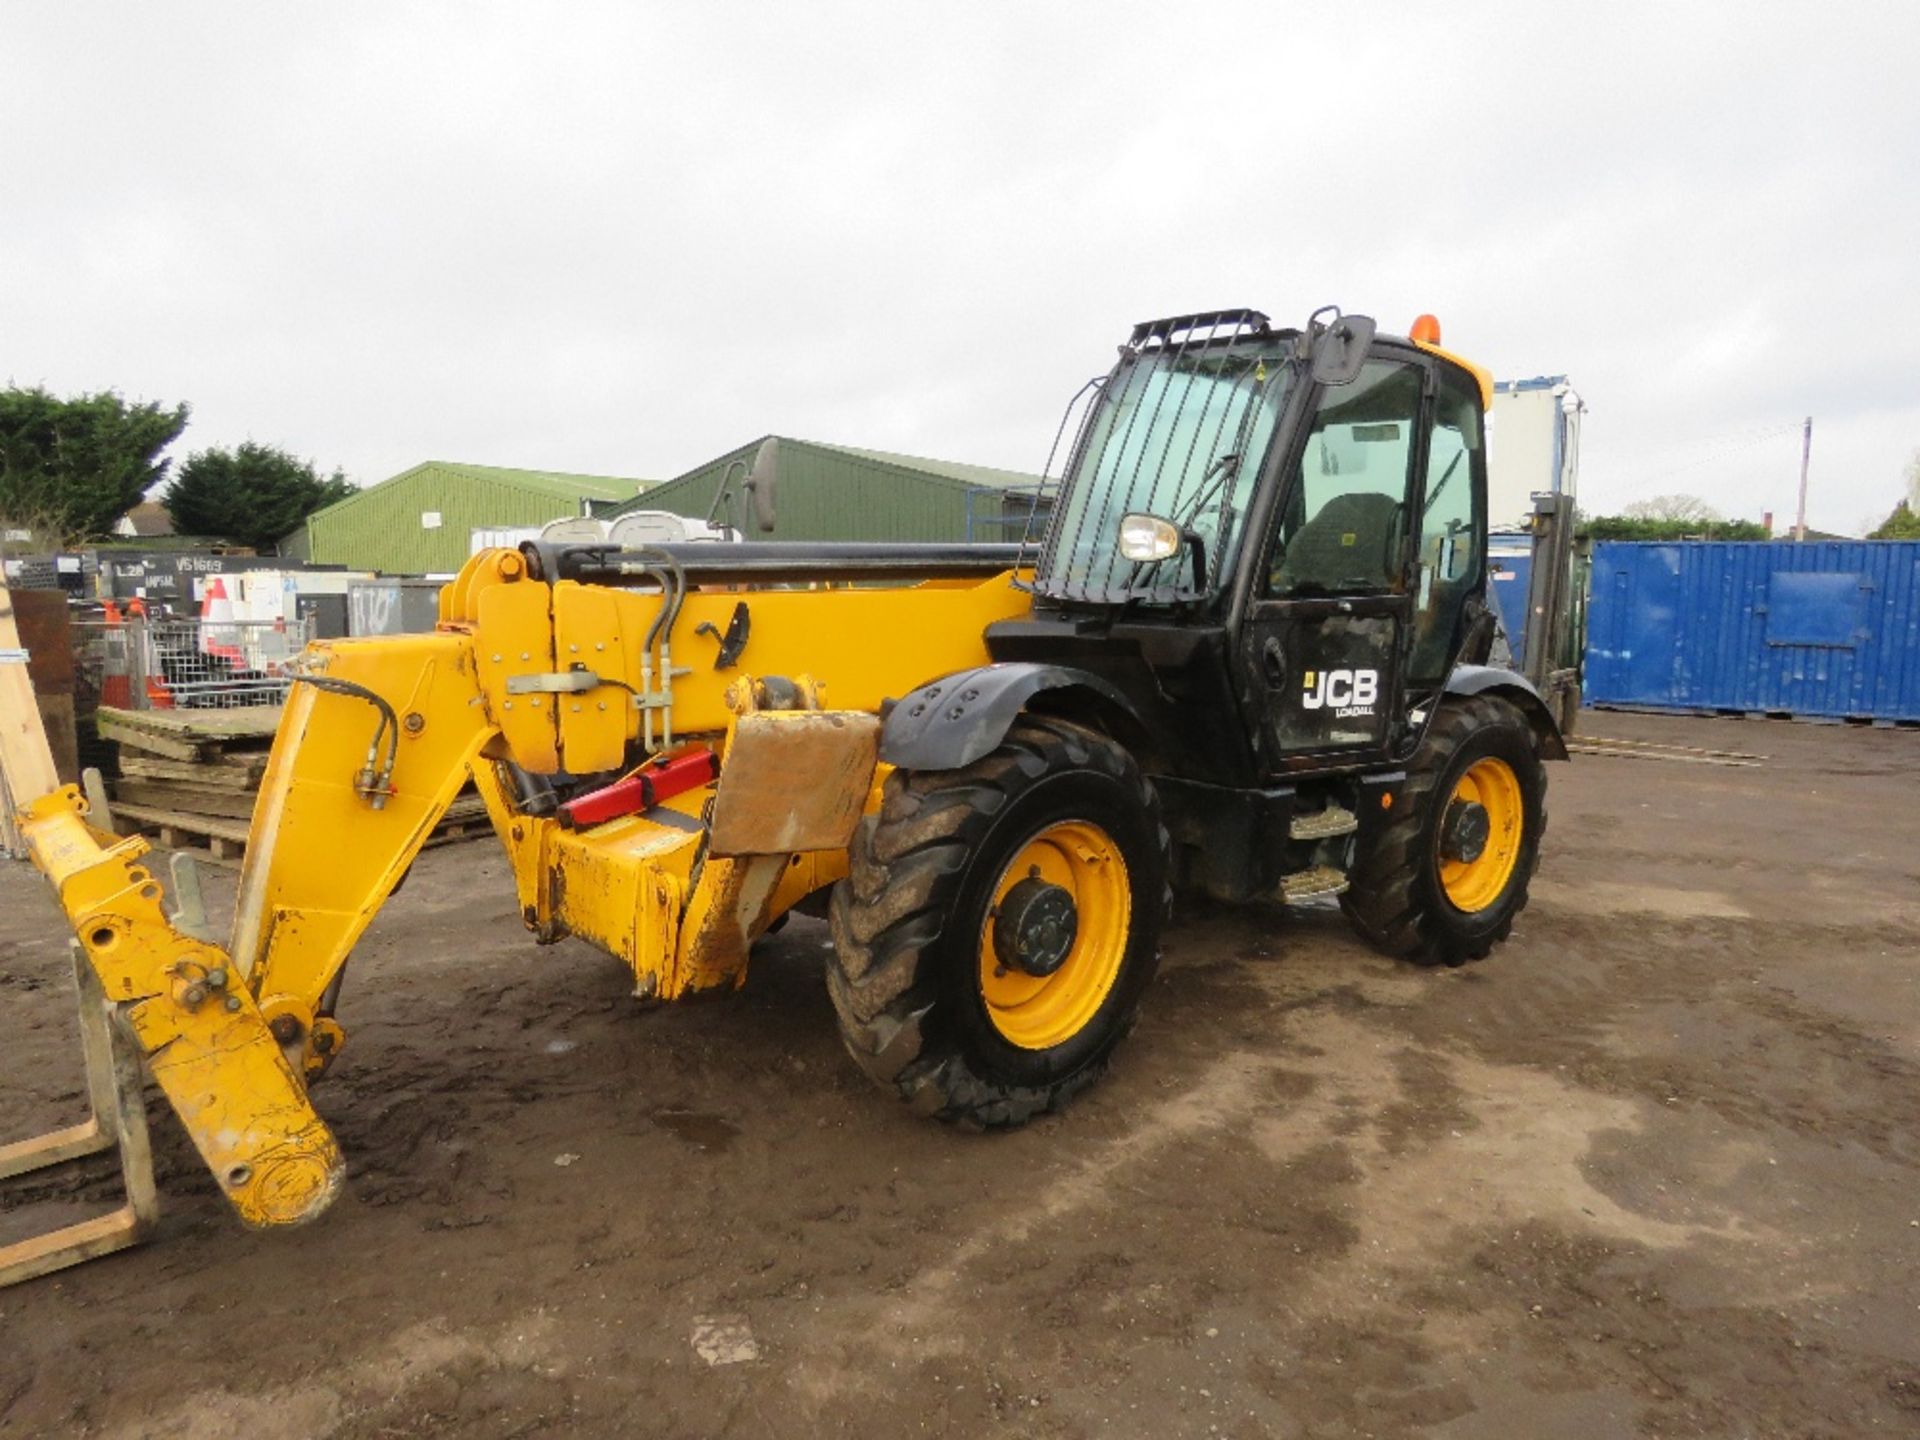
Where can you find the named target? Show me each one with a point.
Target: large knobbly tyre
(1441, 882)
(999, 924)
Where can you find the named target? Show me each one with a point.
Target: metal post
(1552, 654)
(136, 631)
(1806, 454)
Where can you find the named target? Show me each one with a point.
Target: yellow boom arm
(521, 679)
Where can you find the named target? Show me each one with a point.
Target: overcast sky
(623, 238)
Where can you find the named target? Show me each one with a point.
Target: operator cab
(1317, 496)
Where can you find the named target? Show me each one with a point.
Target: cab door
(1321, 650)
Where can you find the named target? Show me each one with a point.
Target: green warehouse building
(837, 492)
(421, 522)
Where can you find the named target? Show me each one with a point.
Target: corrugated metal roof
(419, 522)
(945, 469)
(841, 492)
(555, 484)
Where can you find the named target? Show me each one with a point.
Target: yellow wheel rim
(1473, 885)
(1037, 1012)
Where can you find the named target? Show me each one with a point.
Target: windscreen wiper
(1217, 474)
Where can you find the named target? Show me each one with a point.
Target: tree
(70, 468)
(251, 494)
(1902, 524)
(1630, 526)
(1689, 508)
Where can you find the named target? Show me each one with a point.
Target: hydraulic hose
(375, 777)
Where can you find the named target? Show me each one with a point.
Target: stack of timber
(191, 777)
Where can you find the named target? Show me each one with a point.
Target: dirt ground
(1653, 1169)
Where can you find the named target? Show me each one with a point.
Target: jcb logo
(1350, 692)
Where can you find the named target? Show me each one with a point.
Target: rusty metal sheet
(794, 780)
(44, 631)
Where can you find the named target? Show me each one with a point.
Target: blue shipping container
(1821, 628)
(1510, 573)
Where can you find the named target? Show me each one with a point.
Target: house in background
(144, 521)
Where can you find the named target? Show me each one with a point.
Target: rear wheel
(999, 924)
(1441, 882)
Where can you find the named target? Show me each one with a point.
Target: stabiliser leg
(119, 1118)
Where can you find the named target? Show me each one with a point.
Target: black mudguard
(1512, 685)
(959, 718)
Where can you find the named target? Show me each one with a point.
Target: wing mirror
(763, 482)
(1340, 347)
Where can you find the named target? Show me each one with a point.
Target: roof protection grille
(1221, 327)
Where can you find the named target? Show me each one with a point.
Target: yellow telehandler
(1239, 652)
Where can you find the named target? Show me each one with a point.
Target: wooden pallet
(256, 723)
(192, 736)
(466, 819)
(226, 838)
(227, 772)
(223, 839)
(190, 799)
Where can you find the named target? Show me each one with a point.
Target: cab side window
(1344, 526)
(1449, 554)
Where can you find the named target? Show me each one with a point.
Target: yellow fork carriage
(1243, 654)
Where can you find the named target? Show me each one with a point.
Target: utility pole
(1806, 454)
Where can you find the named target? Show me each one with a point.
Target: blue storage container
(1824, 628)
(1509, 574)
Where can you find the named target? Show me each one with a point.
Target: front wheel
(999, 924)
(1442, 880)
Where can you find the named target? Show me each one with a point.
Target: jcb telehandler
(1239, 654)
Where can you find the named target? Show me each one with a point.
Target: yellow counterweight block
(680, 891)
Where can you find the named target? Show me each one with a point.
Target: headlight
(1147, 537)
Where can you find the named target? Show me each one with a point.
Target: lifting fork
(119, 1119)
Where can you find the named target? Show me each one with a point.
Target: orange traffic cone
(217, 632)
(116, 686)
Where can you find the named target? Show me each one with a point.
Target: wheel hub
(1465, 831)
(1035, 927)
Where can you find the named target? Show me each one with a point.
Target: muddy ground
(1654, 1169)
